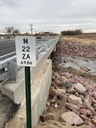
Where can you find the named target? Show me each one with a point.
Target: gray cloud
(48, 15)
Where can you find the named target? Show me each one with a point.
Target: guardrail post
(12, 70)
(45, 47)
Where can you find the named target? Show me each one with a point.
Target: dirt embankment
(72, 96)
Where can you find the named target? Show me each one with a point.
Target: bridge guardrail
(9, 68)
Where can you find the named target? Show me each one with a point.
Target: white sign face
(26, 50)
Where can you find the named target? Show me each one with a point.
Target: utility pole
(31, 28)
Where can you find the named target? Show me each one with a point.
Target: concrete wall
(39, 92)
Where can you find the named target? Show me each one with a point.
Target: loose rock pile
(71, 101)
(72, 98)
(77, 49)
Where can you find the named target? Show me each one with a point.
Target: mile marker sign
(26, 50)
(26, 56)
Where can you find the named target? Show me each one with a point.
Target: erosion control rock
(75, 100)
(71, 118)
(80, 88)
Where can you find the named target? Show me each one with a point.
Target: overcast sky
(48, 15)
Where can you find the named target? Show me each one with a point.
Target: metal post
(12, 70)
(28, 97)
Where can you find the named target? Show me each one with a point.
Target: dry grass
(84, 38)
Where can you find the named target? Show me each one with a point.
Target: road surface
(8, 46)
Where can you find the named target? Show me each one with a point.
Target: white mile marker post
(26, 56)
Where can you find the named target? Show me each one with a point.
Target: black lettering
(24, 62)
(28, 49)
(21, 62)
(23, 56)
(29, 62)
(25, 49)
(28, 56)
(25, 41)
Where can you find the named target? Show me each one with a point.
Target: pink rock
(93, 121)
(73, 107)
(53, 91)
(85, 112)
(88, 100)
(61, 91)
(85, 118)
(80, 88)
(55, 105)
(75, 100)
(94, 94)
(67, 75)
(56, 75)
(95, 117)
(63, 79)
(56, 81)
(91, 125)
(71, 118)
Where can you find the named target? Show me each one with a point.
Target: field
(83, 38)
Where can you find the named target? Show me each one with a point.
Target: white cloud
(47, 15)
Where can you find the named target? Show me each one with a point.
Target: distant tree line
(72, 32)
(45, 34)
(12, 31)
